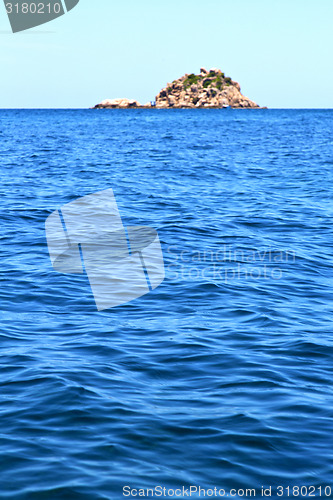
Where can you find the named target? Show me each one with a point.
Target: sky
(279, 50)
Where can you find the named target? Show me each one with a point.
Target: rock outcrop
(208, 89)
(118, 103)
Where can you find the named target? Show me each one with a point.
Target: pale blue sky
(279, 50)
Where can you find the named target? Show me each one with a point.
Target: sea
(217, 383)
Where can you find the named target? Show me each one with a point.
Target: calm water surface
(222, 376)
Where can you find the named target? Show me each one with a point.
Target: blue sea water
(222, 376)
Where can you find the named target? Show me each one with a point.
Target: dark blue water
(222, 376)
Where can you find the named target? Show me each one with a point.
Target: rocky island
(208, 89)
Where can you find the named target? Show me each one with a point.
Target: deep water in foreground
(222, 376)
